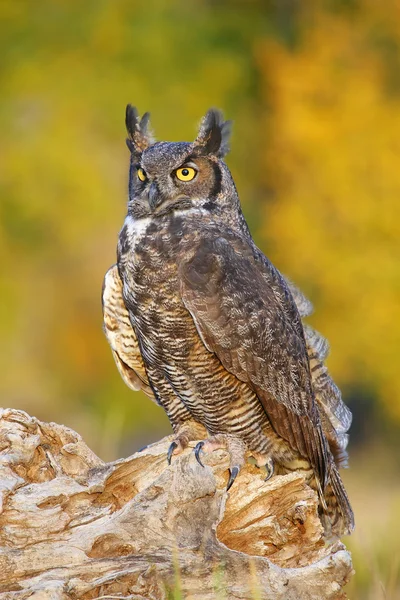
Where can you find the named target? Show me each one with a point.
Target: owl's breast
(175, 357)
(147, 261)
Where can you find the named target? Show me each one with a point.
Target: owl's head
(171, 176)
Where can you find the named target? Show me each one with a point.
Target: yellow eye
(186, 173)
(141, 174)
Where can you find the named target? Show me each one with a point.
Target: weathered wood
(74, 527)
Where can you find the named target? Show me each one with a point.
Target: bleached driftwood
(73, 526)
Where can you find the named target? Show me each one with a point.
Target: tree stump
(73, 526)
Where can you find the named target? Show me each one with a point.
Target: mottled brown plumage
(201, 320)
(121, 336)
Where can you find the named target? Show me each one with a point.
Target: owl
(200, 320)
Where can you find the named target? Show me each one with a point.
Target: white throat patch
(136, 228)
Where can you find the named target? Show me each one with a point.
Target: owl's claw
(269, 466)
(197, 451)
(235, 447)
(171, 451)
(232, 476)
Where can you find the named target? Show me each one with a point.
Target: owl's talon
(143, 448)
(269, 466)
(197, 451)
(232, 476)
(171, 451)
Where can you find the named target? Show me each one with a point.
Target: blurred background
(314, 92)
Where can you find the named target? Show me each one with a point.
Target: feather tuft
(139, 134)
(214, 134)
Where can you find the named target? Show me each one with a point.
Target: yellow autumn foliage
(331, 157)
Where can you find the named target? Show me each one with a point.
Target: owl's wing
(121, 336)
(246, 315)
(304, 306)
(330, 396)
(336, 417)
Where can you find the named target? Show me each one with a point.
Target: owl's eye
(186, 173)
(141, 174)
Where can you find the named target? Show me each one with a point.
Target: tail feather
(338, 510)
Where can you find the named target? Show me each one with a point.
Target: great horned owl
(201, 321)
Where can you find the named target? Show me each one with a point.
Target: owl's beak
(154, 195)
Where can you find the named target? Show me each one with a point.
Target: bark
(73, 526)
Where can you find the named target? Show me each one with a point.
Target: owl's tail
(337, 517)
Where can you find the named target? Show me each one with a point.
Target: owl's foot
(188, 432)
(235, 446)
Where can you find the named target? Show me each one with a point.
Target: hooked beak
(154, 196)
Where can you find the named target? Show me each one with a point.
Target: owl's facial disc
(169, 191)
(170, 176)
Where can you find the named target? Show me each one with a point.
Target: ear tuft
(214, 134)
(140, 136)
